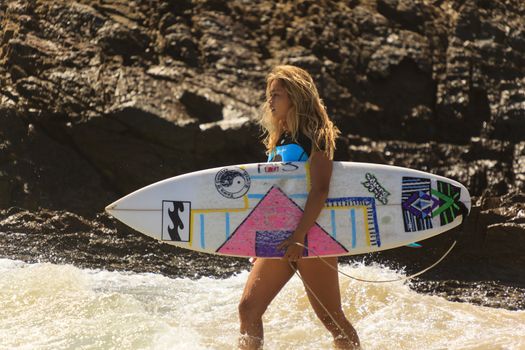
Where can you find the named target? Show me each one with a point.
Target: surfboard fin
(414, 245)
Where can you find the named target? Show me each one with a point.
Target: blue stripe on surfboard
(259, 196)
(299, 195)
(264, 177)
(332, 217)
(415, 180)
(227, 228)
(352, 224)
(203, 245)
(415, 187)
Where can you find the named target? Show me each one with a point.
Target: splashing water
(46, 306)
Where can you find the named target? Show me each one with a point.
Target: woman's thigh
(266, 279)
(323, 281)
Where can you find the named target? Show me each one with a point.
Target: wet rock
(487, 293)
(518, 166)
(101, 242)
(476, 271)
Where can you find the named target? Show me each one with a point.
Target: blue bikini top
(288, 150)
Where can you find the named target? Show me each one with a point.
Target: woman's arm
(320, 175)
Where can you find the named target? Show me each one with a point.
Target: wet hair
(307, 113)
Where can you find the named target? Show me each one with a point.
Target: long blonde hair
(307, 113)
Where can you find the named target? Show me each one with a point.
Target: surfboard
(248, 210)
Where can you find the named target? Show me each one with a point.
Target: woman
(297, 128)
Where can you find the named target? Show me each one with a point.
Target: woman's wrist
(298, 236)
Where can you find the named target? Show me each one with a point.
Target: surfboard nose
(111, 207)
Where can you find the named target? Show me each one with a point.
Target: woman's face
(278, 101)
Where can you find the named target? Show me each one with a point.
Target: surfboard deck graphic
(247, 210)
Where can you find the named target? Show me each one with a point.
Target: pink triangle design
(277, 212)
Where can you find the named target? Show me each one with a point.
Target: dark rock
(201, 107)
(116, 138)
(32, 55)
(518, 166)
(116, 39)
(44, 172)
(410, 14)
(213, 5)
(181, 46)
(66, 238)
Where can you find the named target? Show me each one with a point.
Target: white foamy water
(46, 306)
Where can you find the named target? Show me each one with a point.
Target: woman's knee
(250, 310)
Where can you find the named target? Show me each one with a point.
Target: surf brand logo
(275, 168)
(232, 182)
(176, 221)
(373, 186)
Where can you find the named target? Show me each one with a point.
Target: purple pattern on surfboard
(266, 243)
(421, 204)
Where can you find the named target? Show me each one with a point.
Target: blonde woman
(297, 128)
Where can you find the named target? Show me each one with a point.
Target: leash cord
(318, 300)
(381, 281)
(296, 272)
(464, 213)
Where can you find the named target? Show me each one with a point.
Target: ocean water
(47, 306)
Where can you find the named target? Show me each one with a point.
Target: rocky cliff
(101, 97)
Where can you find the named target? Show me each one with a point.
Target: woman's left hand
(294, 251)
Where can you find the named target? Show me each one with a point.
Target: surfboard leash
(464, 212)
(382, 281)
(294, 269)
(296, 272)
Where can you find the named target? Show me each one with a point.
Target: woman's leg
(324, 283)
(266, 279)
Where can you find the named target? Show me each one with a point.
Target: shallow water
(47, 306)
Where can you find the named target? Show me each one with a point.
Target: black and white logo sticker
(232, 182)
(176, 221)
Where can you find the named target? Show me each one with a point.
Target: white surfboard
(247, 210)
